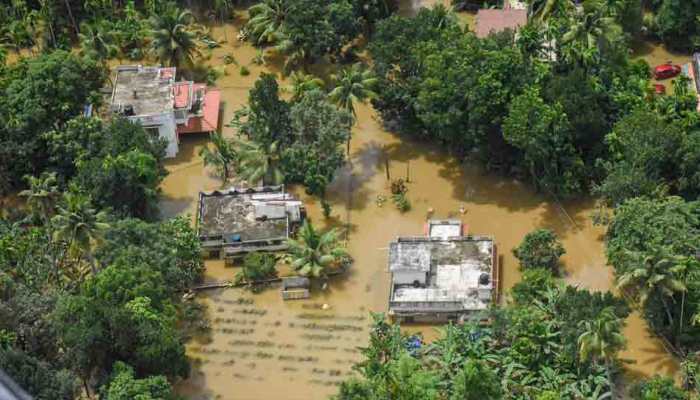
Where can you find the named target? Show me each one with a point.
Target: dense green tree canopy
(38, 95)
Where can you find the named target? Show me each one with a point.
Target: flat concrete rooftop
(147, 89)
(458, 273)
(247, 215)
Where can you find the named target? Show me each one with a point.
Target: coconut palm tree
(79, 225)
(221, 156)
(591, 29)
(174, 37)
(302, 83)
(542, 10)
(353, 85)
(313, 253)
(98, 39)
(257, 162)
(295, 56)
(266, 21)
(657, 272)
(601, 339)
(42, 195)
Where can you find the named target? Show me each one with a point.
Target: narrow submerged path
(261, 347)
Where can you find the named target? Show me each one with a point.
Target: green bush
(539, 249)
(244, 71)
(658, 388)
(257, 267)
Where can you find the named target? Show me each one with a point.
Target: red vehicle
(665, 71)
(659, 88)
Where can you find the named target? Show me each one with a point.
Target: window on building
(152, 131)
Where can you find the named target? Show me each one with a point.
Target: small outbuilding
(296, 287)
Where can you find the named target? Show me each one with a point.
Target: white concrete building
(167, 109)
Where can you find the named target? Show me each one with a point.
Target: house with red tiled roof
(496, 20)
(164, 107)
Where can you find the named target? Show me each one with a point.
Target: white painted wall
(167, 129)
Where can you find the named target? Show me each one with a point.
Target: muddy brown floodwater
(262, 348)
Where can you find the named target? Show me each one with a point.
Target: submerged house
(164, 107)
(242, 220)
(442, 276)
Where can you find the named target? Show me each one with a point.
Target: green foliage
(124, 386)
(646, 155)
(540, 249)
(651, 244)
(38, 378)
(128, 183)
(38, 95)
(174, 39)
(476, 381)
(222, 156)
(535, 283)
(244, 71)
(266, 119)
(170, 247)
(122, 314)
(658, 388)
(676, 23)
(257, 266)
(319, 130)
(314, 253)
(544, 135)
(353, 85)
(258, 163)
(529, 351)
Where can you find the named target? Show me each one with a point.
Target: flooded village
(263, 347)
(446, 258)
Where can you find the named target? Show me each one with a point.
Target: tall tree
(266, 21)
(600, 341)
(657, 272)
(353, 85)
(42, 195)
(98, 39)
(174, 40)
(222, 156)
(257, 162)
(592, 32)
(80, 226)
(543, 133)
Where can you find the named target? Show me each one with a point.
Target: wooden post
(408, 171)
(386, 167)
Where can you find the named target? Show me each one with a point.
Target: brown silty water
(262, 347)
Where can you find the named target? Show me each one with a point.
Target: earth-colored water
(261, 347)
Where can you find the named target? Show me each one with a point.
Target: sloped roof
(208, 121)
(494, 20)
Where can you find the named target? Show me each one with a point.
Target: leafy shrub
(658, 388)
(257, 267)
(244, 71)
(539, 249)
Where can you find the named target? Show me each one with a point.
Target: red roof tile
(209, 120)
(181, 92)
(494, 20)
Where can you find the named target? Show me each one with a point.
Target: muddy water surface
(262, 348)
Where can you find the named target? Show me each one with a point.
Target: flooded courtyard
(261, 347)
